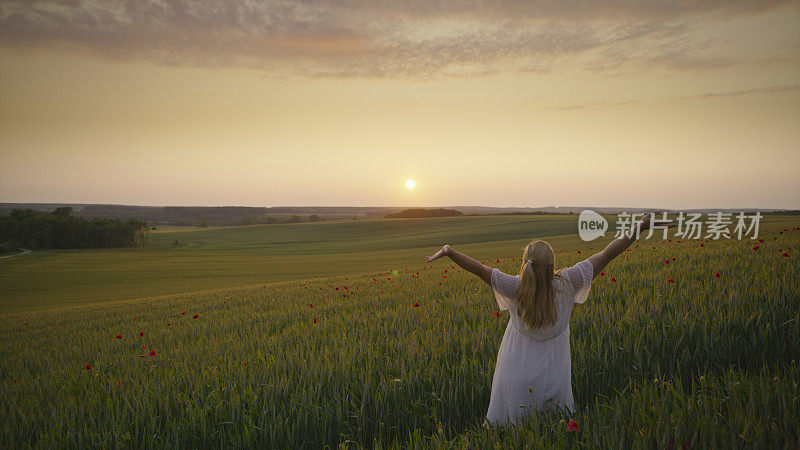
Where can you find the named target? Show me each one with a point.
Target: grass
(349, 361)
(208, 259)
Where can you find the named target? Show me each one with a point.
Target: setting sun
(410, 184)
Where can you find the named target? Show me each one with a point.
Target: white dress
(536, 359)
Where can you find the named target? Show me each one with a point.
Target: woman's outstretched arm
(465, 262)
(617, 246)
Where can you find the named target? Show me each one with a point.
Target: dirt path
(25, 251)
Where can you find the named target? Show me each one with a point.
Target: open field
(214, 258)
(348, 360)
(236, 256)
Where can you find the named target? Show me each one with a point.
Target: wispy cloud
(762, 90)
(604, 104)
(378, 38)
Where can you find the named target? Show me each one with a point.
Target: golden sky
(518, 103)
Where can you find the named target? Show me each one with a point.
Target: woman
(533, 364)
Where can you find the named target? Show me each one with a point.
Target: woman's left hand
(439, 254)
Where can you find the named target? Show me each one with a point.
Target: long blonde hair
(535, 296)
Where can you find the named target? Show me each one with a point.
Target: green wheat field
(336, 334)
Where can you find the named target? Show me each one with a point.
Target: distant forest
(27, 228)
(202, 216)
(417, 213)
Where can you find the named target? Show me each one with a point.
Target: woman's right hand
(644, 225)
(651, 219)
(439, 254)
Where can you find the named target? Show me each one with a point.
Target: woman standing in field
(533, 370)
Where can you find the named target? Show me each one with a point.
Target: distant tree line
(202, 216)
(531, 213)
(250, 220)
(27, 228)
(416, 213)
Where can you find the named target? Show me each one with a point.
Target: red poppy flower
(755, 247)
(673, 259)
(88, 367)
(183, 313)
(152, 353)
(242, 363)
(496, 314)
(142, 356)
(761, 240)
(142, 346)
(579, 252)
(444, 276)
(119, 336)
(169, 324)
(702, 245)
(310, 305)
(666, 261)
(785, 255)
(670, 280)
(141, 334)
(613, 280)
(572, 426)
(602, 274)
(344, 295)
(416, 305)
(717, 275)
(195, 316)
(314, 321)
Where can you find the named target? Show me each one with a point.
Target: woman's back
(570, 285)
(533, 370)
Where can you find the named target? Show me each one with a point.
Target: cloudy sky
(675, 104)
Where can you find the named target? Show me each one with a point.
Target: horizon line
(408, 207)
